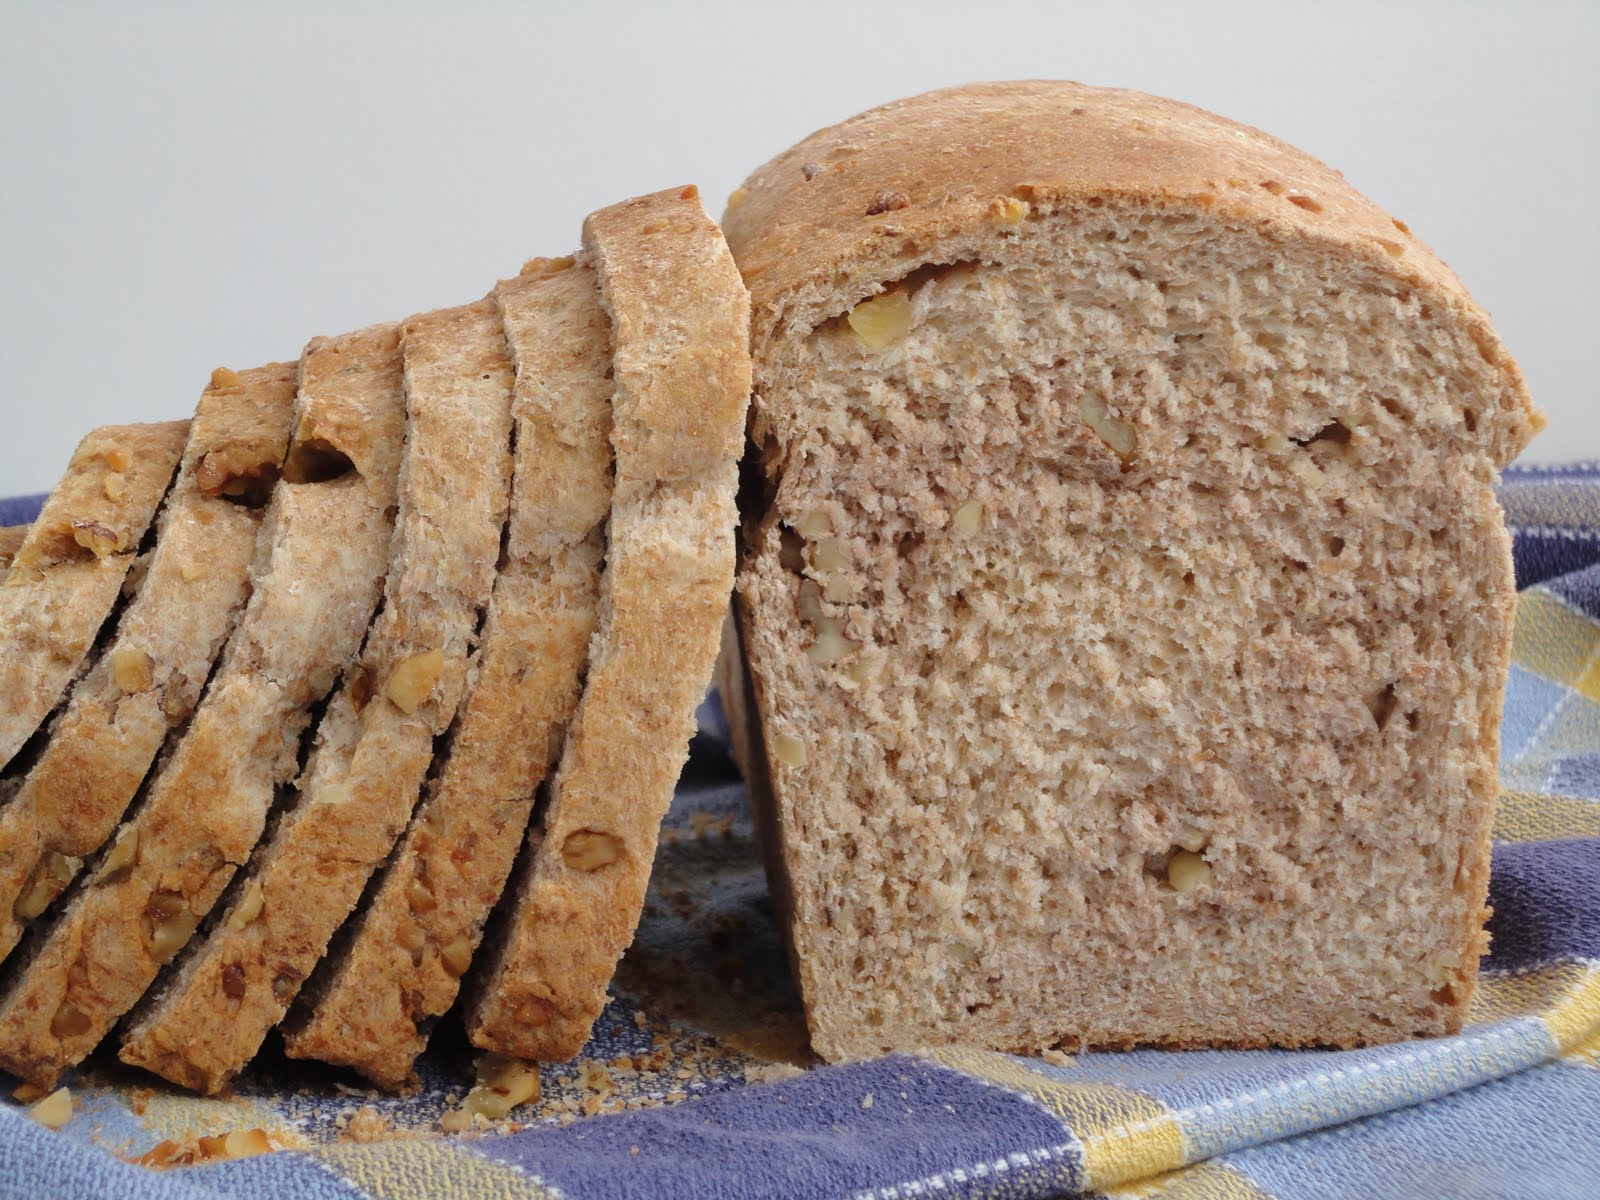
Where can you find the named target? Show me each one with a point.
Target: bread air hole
(791, 550)
(1382, 706)
(317, 460)
(1334, 431)
(251, 488)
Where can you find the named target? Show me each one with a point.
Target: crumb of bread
(367, 1126)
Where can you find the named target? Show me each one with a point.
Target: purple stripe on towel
(1546, 899)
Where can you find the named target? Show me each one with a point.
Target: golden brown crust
(149, 677)
(373, 750)
(402, 968)
(866, 201)
(69, 570)
(682, 377)
(318, 572)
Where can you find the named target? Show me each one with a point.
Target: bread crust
(682, 373)
(318, 571)
(69, 570)
(831, 220)
(149, 677)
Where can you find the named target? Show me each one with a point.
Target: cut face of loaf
(1127, 608)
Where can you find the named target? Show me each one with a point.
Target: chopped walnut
(51, 874)
(123, 854)
(888, 202)
(457, 957)
(414, 679)
(881, 321)
(589, 850)
(1008, 210)
(55, 1110)
(97, 538)
(131, 669)
(249, 907)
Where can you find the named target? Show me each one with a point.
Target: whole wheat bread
(681, 372)
(70, 568)
(316, 578)
(148, 679)
(373, 1003)
(376, 740)
(1126, 605)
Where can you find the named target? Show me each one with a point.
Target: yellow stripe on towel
(1535, 817)
(417, 1170)
(1125, 1134)
(1203, 1181)
(1533, 993)
(1576, 1016)
(1586, 1052)
(1555, 641)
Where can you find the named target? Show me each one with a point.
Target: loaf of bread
(204, 917)
(1125, 604)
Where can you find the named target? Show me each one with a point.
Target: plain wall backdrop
(187, 185)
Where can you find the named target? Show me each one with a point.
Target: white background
(183, 186)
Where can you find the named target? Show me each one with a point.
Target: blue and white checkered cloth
(688, 1065)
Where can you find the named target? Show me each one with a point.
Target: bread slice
(69, 570)
(1126, 603)
(373, 1002)
(681, 368)
(148, 679)
(316, 579)
(11, 539)
(376, 741)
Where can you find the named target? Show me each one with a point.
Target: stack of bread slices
(325, 642)
(1120, 630)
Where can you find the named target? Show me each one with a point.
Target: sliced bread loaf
(148, 678)
(681, 374)
(316, 579)
(1126, 604)
(376, 741)
(373, 1003)
(69, 570)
